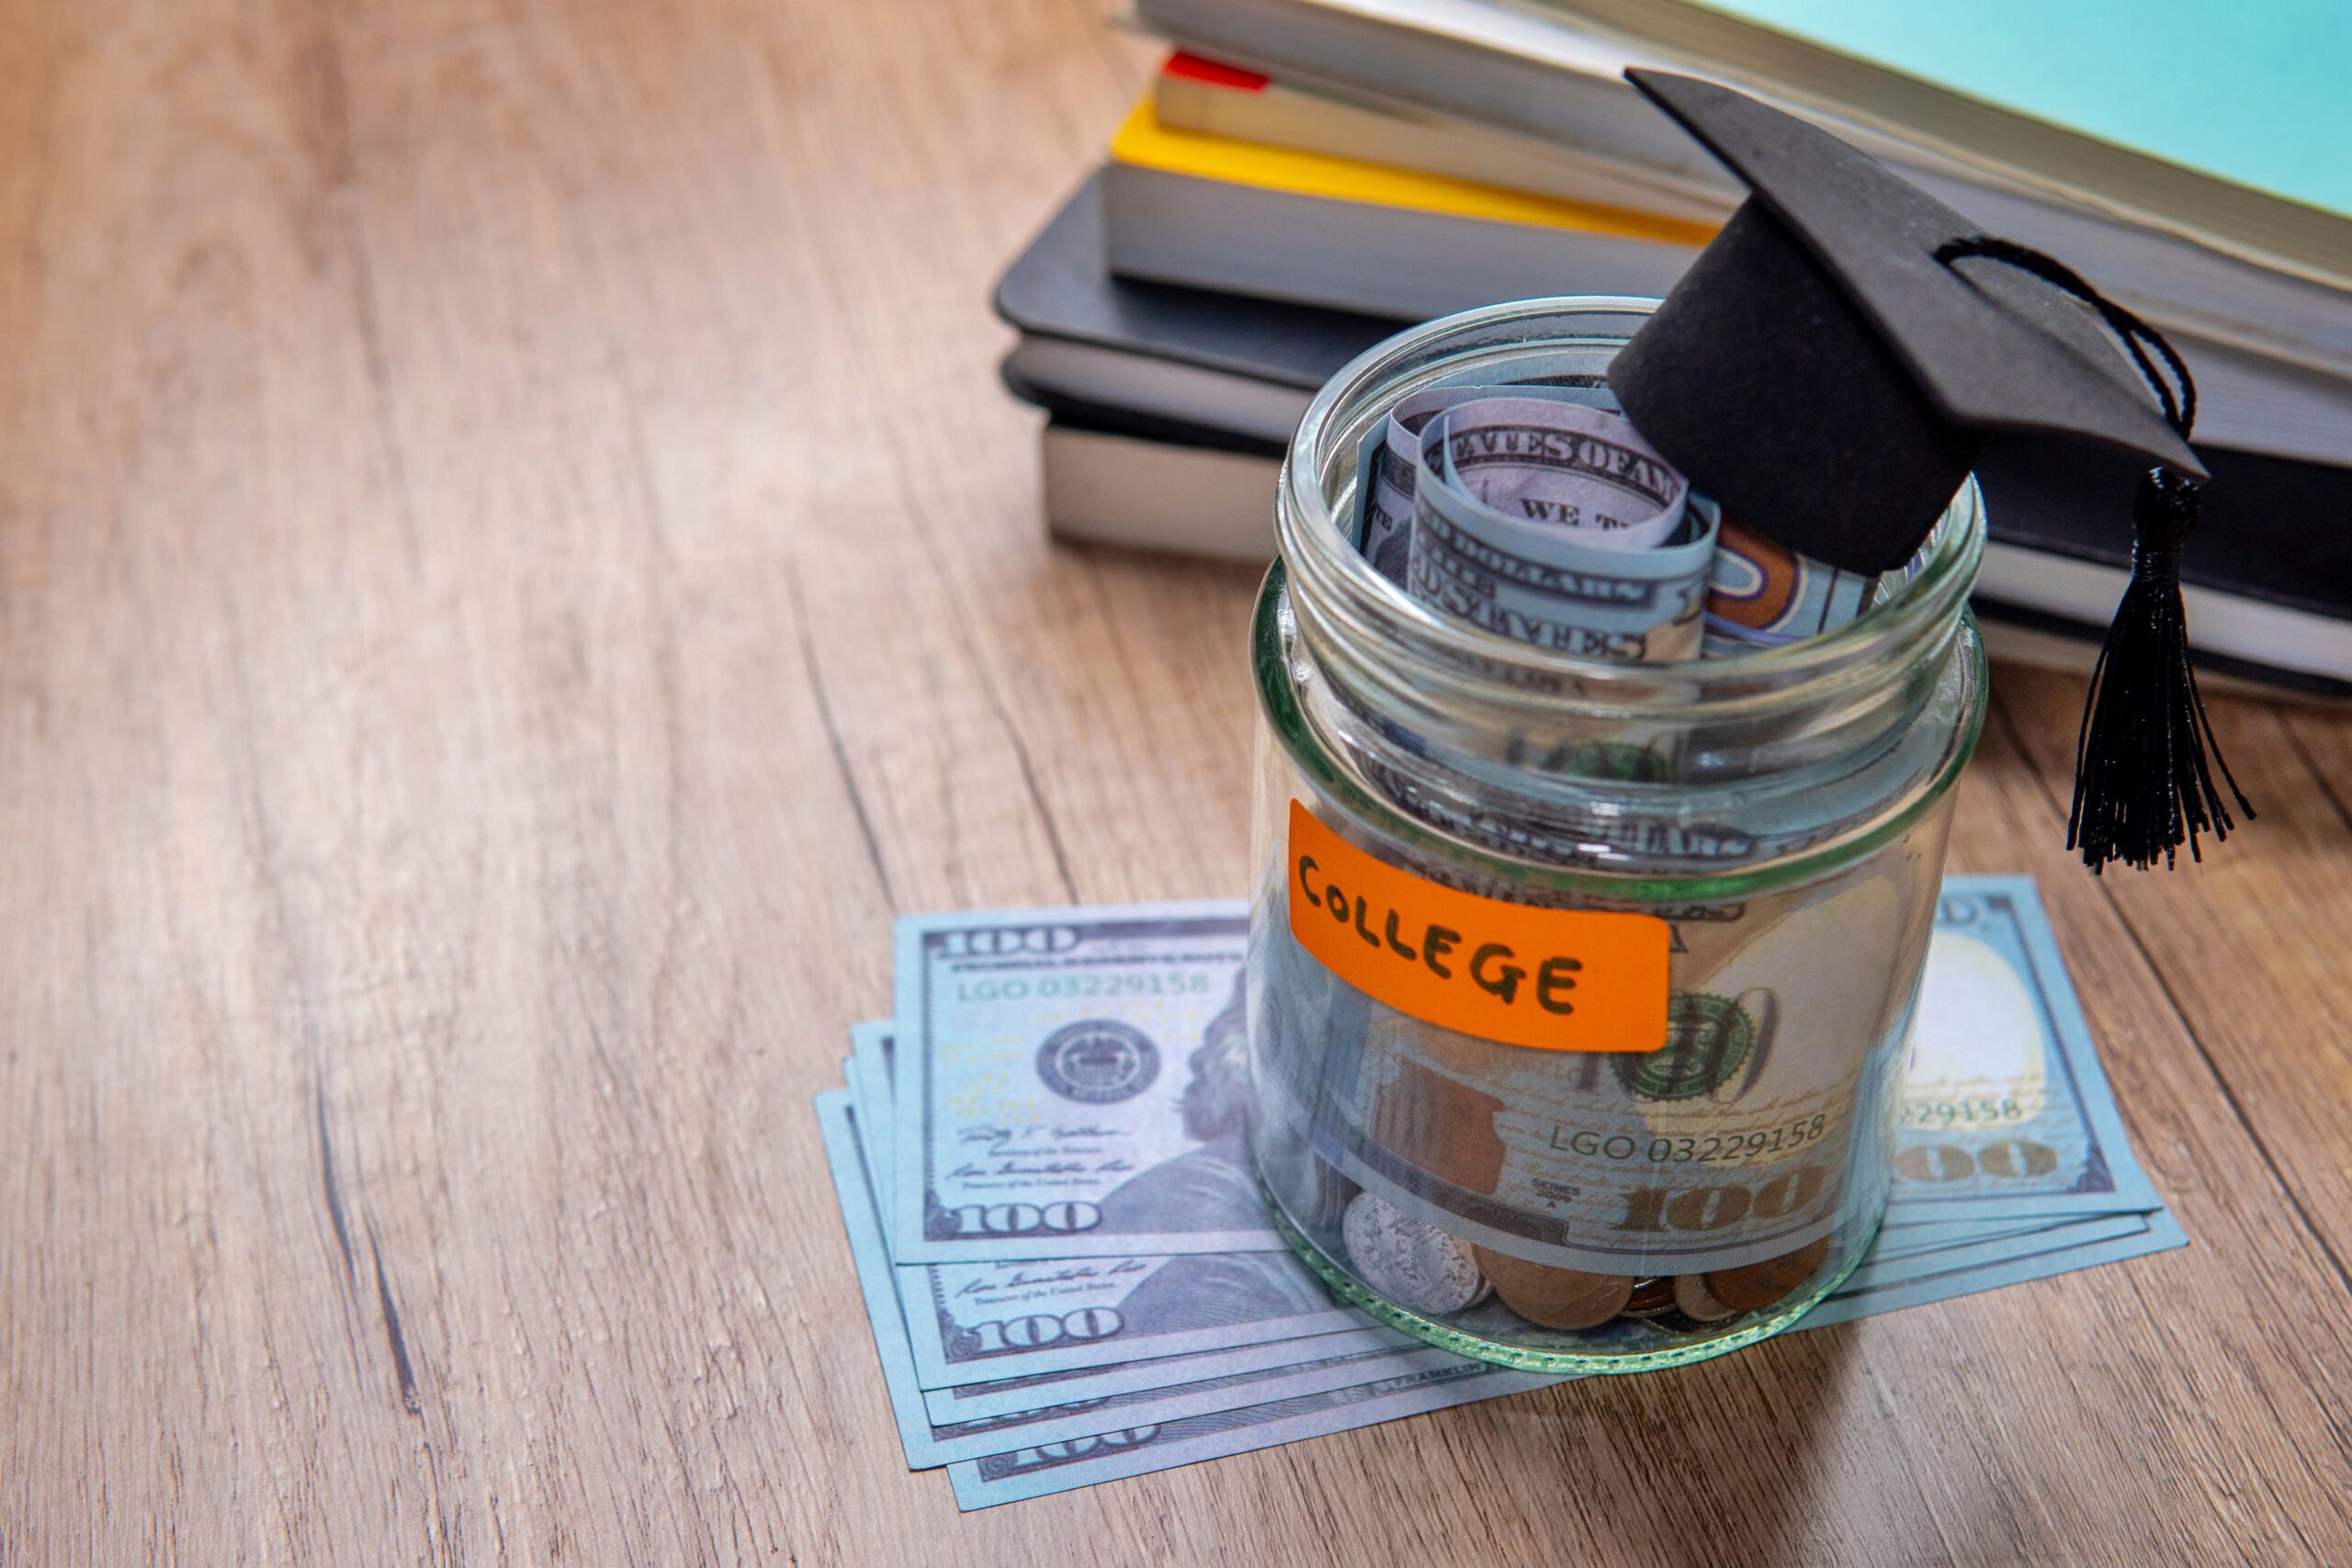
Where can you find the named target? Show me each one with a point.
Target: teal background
(2255, 93)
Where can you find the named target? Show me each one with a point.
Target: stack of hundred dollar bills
(1071, 1274)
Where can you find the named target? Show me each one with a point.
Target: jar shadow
(1744, 1460)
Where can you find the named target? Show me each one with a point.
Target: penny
(1555, 1298)
(1651, 1297)
(1697, 1301)
(1411, 1261)
(1441, 1124)
(1761, 1284)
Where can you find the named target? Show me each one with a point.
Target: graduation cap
(1831, 365)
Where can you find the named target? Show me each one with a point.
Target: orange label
(1554, 979)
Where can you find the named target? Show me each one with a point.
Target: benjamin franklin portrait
(1211, 1188)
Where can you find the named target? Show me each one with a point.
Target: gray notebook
(1219, 372)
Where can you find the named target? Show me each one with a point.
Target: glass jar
(1773, 822)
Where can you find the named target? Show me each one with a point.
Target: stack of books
(1305, 177)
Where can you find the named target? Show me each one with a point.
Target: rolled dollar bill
(1763, 594)
(1391, 450)
(1554, 524)
(1385, 483)
(1758, 594)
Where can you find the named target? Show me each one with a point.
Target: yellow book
(1240, 217)
(1144, 142)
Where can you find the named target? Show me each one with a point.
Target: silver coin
(1411, 1261)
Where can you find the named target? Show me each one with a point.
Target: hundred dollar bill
(1742, 1139)
(1582, 470)
(1556, 524)
(868, 1072)
(1054, 1413)
(1043, 1381)
(1215, 1378)
(980, 1322)
(1902, 1238)
(1753, 1129)
(1757, 594)
(1073, 1084)
(1895, 1258)
(1046, 1414)
(1197, 1371)
(2052, 1146)
(1391, 450)
(1972, 1257)
(1038, 1469)
(1760, 594)
(1963, 1271)
(2006, 1110)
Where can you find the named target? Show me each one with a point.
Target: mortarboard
(1831, 365)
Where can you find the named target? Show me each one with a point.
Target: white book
(1414, 263)
(2265, 276)
(1171, 408)
(1154, 495)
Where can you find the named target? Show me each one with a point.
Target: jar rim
(1321, 762)
(1337, 587)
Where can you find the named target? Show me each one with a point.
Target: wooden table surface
(514, 565)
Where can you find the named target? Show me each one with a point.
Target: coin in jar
(1555, 1298)
(1760, 1284)
(1698, 1303)
(1445, 1127)
(1651, 1297)
(1411, 1261)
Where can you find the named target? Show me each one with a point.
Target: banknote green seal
(1708, 1040)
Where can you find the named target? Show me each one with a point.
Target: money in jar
(1582, 956)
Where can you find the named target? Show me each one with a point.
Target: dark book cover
(2272, 529)
(1061, 287)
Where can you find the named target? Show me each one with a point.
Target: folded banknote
(1069, 1275)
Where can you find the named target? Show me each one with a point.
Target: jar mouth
(1343, 602)
(1332, 770)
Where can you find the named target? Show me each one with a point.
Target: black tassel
(2145, 756)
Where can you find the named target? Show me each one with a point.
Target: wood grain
(514, 565)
